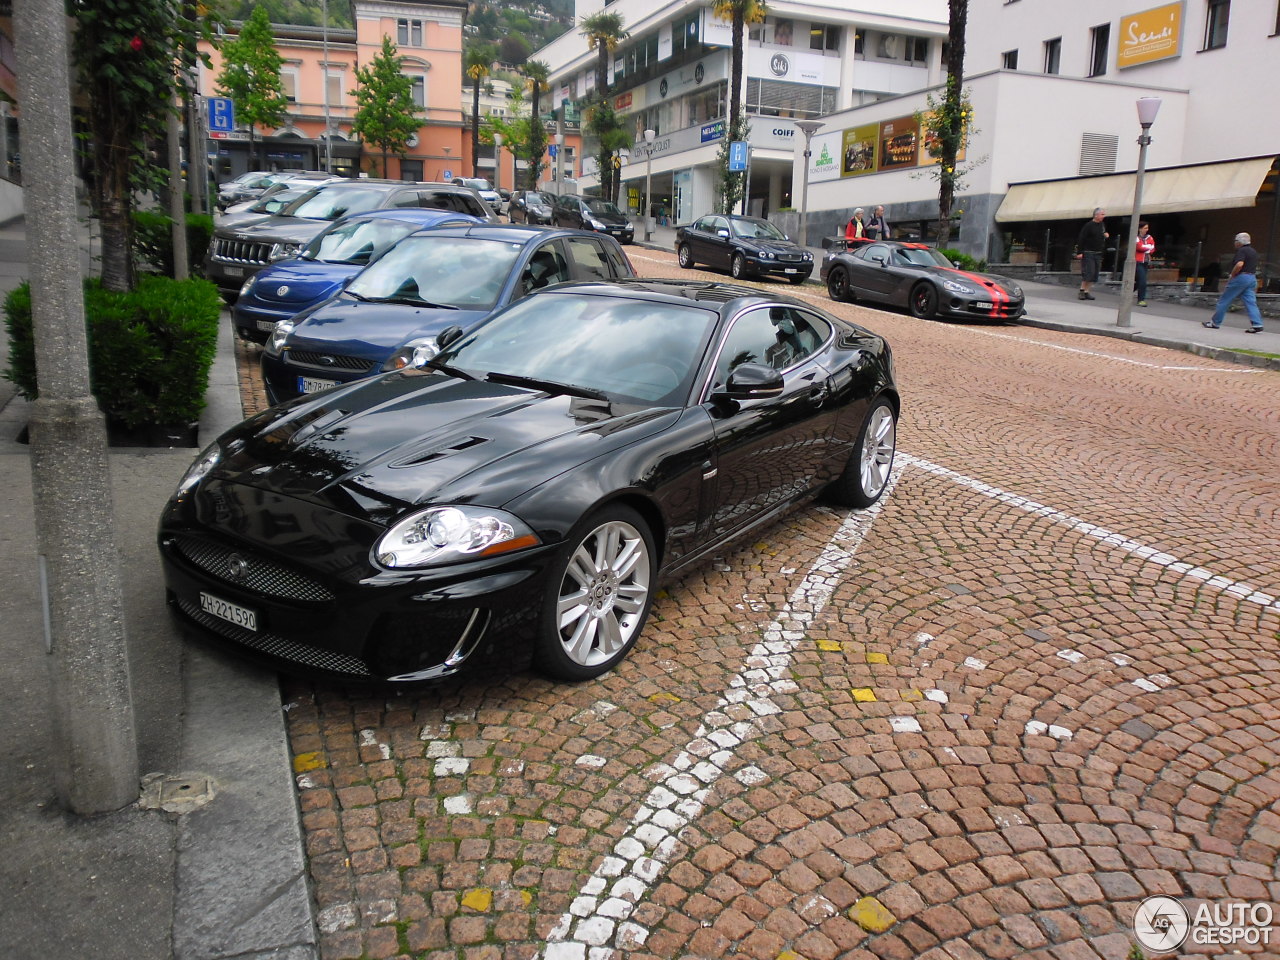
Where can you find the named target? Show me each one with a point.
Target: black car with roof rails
(427, 281)
(238, 252)
(523, 493)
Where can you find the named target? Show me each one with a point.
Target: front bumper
(300, 370)
(780, 268)
(255, 320)
(981, 307)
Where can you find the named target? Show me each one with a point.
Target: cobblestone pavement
(1037, 684)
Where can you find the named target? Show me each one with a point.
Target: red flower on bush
(135, 44)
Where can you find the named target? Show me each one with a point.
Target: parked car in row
(526, 492)
(334, 256)
(918, 278)
(485, 189)
(254, 185)
(592, 213)
(238, 252)
(747, 246)
(437, 278)
(531, 206)
(274, 200)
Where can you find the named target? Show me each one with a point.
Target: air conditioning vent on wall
(1098, 153)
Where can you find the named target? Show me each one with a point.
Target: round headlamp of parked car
(955, 286)
(278, 336)
(807, 255)
(199, 468)
(285, 249)
(450, 534)
(414, 354)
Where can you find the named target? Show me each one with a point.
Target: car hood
(773, 246)
(301, 281)
(609, 218)
(988, 281)
(373, 329)
(384, 446)
(275, 228)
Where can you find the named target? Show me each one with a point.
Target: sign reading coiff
(1149, 36)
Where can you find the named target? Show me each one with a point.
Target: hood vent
(435, 453)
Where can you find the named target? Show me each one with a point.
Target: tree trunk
(475, 127)
(602, 91)
(536, 136)
(253, 150)
(953, 134)
(112, 205)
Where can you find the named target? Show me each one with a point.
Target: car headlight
(451, 534)
(597, 225)
(807, 255)
(956, 286)
(414, 354)
(199, 468)
(278, 336)
(285, 249)
(766, 254)
(1015, 290)
(247, 286)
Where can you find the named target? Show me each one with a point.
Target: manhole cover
(176, 793)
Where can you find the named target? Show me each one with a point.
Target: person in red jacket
(856, 229)
(1142, 259)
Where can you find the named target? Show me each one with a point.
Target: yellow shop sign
(1149, 36)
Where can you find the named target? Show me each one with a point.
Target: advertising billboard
(858, 150)
(1151, 35)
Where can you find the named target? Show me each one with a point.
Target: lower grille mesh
(260, 576)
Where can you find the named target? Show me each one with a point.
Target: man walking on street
(1089, 248)
(1242, 283)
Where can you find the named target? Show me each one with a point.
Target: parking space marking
(601, 912)
(1191, 571)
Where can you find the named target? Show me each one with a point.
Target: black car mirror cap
(880, 260)
(448, 336)
(751, 381)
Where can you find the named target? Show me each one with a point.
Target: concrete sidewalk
(1164, 323)
(226, 878)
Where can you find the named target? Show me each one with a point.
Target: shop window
(1100, 42)
(1053, 55)
(1215, 27)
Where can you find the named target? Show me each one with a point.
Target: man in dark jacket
(1089, 248)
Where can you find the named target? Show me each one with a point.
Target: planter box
(1162, 275)
(1024, 256)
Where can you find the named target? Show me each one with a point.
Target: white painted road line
(1190, 571)
(599, 917)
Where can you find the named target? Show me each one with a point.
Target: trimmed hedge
(153, 240)
(964, 261)
(150, 350)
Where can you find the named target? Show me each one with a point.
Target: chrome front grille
(279, 647)
(249, 572)
(326, 361)
(241, 251)
(791, 257)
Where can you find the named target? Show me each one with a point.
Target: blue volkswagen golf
(434, 279)
(332, 258)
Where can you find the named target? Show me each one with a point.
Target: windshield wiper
(412, 302)
(550, 386)
(443, 367)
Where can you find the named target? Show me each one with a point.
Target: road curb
(1137, 336)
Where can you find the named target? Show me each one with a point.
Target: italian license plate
(790, 270)
(231, 612)
(314, 385)
(233, 271)
(983, 305)
(267, 325)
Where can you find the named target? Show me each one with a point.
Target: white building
(808, 59)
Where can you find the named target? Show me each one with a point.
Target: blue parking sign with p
(737, 156)
(222, 115)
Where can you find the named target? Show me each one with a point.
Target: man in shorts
(1089, 248)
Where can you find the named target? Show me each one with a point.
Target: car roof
(427, 215)
(708, 294)
(511, 232)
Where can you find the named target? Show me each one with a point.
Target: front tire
(601, 589)
(924, 301)
(866, 474)
(838, 285)
(738, 267)
(685, 256)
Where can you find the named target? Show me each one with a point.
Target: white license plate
(790, 270)
(982, 305)
(267, 325)
(313, 385)
(233, 271)
(231, 612)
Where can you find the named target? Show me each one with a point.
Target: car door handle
(819, 390)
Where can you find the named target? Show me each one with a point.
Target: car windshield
(920, 256)
(357, 241)
(332, 204)
(538, 200)
(463, 272)
(626, 349)
(751, 229)
(478, 183)
(603, 206)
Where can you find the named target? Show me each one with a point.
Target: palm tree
(476, 65)
(739, 13)
(604, 32)
(537, 72)
(953, 133)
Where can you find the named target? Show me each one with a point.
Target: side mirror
(722, 233)
(448, 335)
(751, 381)
(880, 260)
(956, 264)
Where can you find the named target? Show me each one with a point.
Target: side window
(777, 337)
(589, 258)
(406, 198)
(872, 251)
(707, 224)
(545, 267)
(618, 259)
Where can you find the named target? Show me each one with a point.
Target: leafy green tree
(475, 64)
(604, 33)
(386, 116)
(538, 74)
(124, 54)
(251, 77)
(739, 13)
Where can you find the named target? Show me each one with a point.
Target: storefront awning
(1204, 186)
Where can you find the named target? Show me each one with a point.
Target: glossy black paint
(305, 489)
(583, 213)
(715, 241)
(875, 273)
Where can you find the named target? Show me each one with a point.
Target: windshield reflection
(467, 273)
(357, 241)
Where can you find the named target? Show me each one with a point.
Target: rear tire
(685, 256)
(601, 587)
(866, 474)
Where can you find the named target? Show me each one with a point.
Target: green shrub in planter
(964, 261)
(153, 240)
(150, 350)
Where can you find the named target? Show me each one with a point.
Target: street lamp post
(497, 161)
(808, 128)
(649, 137)
(1148, 107)
(324, 79)
(559, 163)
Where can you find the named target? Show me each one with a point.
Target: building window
(1009, 60)
(418, 90)
(1053, 55)
(859, 43)
(289, 83)
(333, 88)
(917, 50)
(1215, 27)
(1101, 36)
(409, 33)
(823, 37)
